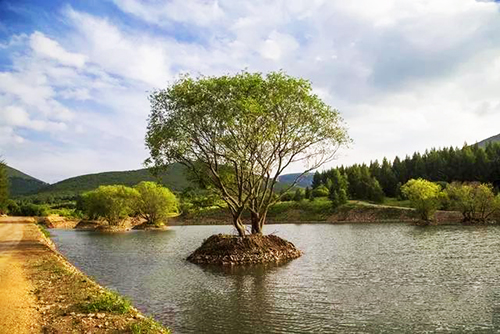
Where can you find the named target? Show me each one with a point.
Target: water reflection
(352, 278)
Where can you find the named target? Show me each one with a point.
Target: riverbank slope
(42, 292)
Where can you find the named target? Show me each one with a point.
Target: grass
(147, 326)
(317, 210)
(44, 230)
(391, 201)
(109, 301)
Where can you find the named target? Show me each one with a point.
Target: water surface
(373, 278)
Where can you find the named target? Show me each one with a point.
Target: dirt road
(17, 303)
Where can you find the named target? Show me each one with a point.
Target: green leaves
(252, 124)
(425, 196)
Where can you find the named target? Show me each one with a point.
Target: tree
(238, 133)
(155, 203)
(424, 196)
(307, 193)
(299, 195)
(338, 188)
(475, 201)
(4, 188)
(111, 203)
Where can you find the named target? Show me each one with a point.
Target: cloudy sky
(405, 74)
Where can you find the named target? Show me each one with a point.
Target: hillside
(305, 181)
(22, 184)
(174, 178)
(483, 143)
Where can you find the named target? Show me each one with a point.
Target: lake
(352, 278)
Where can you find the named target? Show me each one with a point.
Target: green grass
(147, 326)
(44, 230)
(108, 301)
(390, 201)
(305, 210)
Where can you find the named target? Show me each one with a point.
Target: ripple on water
(352, 278)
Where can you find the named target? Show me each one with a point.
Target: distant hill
(23, 184)
(174, 178)
(483, 143)
(305, 181)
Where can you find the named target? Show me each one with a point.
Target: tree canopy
(425, 197)
(155, 203)
(238, 133)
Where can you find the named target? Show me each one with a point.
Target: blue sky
(405, 75)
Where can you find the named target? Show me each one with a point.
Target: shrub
(321, 191)
(111, 203)
(28, 209)
(424, 196)
(476, 201)
(155, 203)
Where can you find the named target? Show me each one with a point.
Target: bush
(321, 191)
(476, 201)
(424, 196)
(111, 203)
(28, 209)
(299, 195)
(155, 203)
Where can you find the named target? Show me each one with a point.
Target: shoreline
(65, 299)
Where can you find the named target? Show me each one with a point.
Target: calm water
(352, 278)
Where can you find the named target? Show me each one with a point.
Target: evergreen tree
(316, 180)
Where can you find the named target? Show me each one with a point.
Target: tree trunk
(240, 227)
(258, 221)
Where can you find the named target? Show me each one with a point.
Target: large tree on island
(238, 133)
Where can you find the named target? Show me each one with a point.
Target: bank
(62, 298)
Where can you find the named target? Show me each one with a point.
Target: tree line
(376, 180)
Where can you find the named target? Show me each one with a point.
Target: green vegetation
(155, 203)
(173, 178)
(22, 184)
(44, 231)
(111, 203)
(27, 209)
(425, 197)
(108, 301)
(475, 201)
(373, 182)
(237, 134)
(4, 188)
(115, 203)
(147, 326)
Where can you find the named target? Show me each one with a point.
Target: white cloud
(51, 49)
(163, 13)
(402, 74)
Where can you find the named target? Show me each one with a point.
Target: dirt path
(17, 303)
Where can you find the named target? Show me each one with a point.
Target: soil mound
(223, 249)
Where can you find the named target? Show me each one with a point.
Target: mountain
(174, 178)
(22, 184)
(305, 181)
(493, 139)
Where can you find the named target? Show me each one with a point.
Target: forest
(378, 180)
